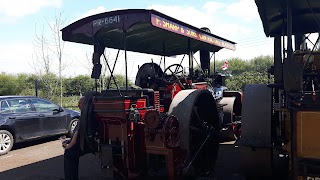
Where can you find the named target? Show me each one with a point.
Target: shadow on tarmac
(52, 169)
(227, 166)
(21, 145)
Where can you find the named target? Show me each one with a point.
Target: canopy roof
(146, 31)
(305, 16)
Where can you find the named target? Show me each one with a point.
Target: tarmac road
(43, 160)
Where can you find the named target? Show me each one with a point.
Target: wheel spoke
(6, 146)
(197, 115)
(7, 140)
(179, 72)
(172, 73)
(2, 148)
(175, 69)
(194, 128)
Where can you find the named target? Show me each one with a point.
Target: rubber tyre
(6, 142)
(72, 126)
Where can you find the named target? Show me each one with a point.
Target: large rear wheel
(199, 128)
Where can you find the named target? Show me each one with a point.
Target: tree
(26, 83)
(261, 63)
(241, 72)
(238, 82)
(48, 84)
(8, 85)
(78, 85)
(236, 66)
(49, 49)
(120, 79)
(58, 45)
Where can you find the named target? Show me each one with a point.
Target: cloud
(212, 6)
(186, 14)
(16, 57)
(10, 10)
(97, 10)
(243, 9)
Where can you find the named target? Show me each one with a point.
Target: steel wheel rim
(5, 142)
(73, 125)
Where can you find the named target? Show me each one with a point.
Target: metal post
(36, 87)
(164, 55)
(125, 58)
(292, 118)
(277, 60)
(214, 64)
(289, 31)
(190, 59)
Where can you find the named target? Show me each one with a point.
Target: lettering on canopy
(180, 29)
(106, 21)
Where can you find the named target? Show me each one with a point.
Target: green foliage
(239, 73)
(120, 80)
(70, 102)
(26, 84)
(261, 63)
(8, 84)
(48, 86)
(78, 85)
(237, 83)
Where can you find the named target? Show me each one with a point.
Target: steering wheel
(171, 73)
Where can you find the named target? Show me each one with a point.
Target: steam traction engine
(281, 120)
(136, 135)
(169, 126)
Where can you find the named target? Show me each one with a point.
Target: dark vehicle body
(27, 118)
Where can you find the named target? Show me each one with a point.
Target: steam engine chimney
(205, 57)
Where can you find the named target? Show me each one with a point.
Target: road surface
(43, 160)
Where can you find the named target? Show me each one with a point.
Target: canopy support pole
(214, 63)
(190, 59)
(277, 60)
(98, 51)
(125, 58)
(164, 55)
(293, 152)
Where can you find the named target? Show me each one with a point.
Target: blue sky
(20, 21)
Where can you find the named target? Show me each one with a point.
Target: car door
(22, 118)
(52, 120)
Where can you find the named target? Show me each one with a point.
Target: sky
(22, 22)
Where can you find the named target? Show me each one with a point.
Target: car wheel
(6, 142)
(72, 126)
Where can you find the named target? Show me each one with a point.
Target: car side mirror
(60, 109)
